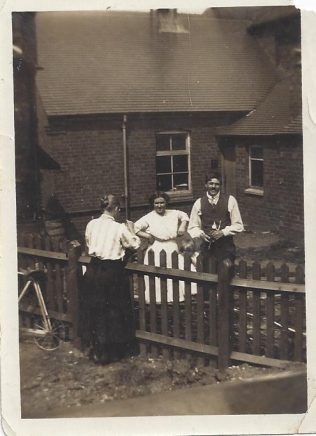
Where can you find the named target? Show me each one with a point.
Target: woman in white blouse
(107, 326)
(161, 227)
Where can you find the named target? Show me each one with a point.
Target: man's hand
(217, 234)
(205, 237)
(181, 232)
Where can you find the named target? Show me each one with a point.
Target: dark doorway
(228, 168)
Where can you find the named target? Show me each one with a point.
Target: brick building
(266, 146)
(133, 101)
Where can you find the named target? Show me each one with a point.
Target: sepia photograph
(160, 230)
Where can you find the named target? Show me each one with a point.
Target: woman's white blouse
(107, 239)
(163, 227)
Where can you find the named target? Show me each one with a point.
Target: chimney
(167, 21)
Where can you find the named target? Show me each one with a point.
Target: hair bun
(104, 201)
(109, 202)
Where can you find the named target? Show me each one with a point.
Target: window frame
(253, 187)
(186, 152)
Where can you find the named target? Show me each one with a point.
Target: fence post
(223, 328)
(141, 299)
(74, 252)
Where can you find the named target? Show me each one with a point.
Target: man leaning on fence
(214, 220)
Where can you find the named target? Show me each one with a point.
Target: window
(173, 161)
(256, 167)
(214, 164)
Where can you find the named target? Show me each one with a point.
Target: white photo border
(10, 376)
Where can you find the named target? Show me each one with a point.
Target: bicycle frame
(40, 299)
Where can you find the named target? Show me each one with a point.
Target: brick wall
(90, 154)
(292, 190)
(281, 207)
(142, 164)
(91, 164)
(204, 150)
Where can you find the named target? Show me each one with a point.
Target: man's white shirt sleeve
(235, 218)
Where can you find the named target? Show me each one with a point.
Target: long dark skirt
(106, 321)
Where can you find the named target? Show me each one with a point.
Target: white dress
(164, 228)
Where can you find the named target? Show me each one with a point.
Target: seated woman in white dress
(161, 227)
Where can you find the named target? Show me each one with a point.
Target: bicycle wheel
(49, 340)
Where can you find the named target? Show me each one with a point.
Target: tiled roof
(113, 62)
(295, 126)
(271, 117)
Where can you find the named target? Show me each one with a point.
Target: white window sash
(184, 152)
(258, 159)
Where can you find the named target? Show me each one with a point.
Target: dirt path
(65, 378)
(272, 393)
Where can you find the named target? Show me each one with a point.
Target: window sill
(254, 191)
(177, 197)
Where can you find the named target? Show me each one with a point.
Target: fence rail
(258, 318)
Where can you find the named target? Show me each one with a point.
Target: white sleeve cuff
(225, 231)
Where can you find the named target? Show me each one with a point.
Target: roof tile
(114, 62)
(271, 117)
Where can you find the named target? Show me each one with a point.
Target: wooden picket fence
(258, 318)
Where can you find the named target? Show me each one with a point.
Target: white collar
(107, 215)
(213, 199)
